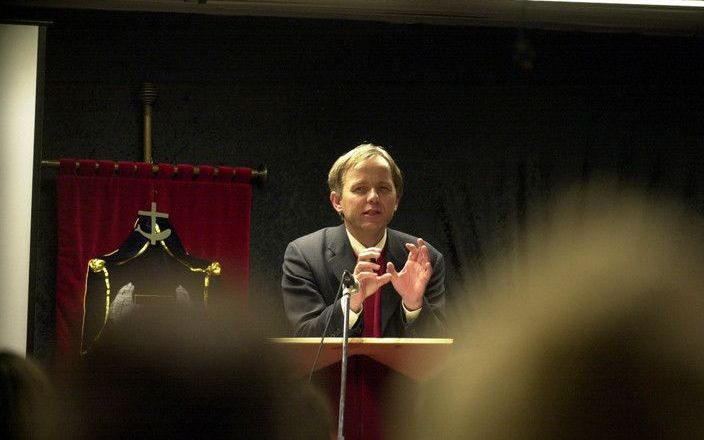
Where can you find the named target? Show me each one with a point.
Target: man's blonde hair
(356, 156)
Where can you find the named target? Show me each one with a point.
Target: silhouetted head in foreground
(182, 375)
(594, 330)
(25, 399)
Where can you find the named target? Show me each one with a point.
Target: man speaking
(401, 278)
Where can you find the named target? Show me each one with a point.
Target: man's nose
(373, 195)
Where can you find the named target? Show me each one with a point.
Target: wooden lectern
(374, 364)
(416, 358)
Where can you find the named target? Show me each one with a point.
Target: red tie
(372, 306)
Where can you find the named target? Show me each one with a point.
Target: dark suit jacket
(312, 269)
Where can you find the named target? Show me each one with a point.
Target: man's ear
(335, 200)
(398, 200)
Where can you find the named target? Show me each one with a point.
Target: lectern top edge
(379, 341)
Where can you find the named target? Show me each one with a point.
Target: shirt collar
(358, 247)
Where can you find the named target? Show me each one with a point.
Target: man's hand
(365, 274)
(411, 281)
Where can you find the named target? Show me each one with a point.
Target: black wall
(481, 140)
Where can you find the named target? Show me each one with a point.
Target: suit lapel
(340, 255)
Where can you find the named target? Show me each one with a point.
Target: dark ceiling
(530, 14)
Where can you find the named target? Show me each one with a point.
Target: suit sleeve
(308, 307)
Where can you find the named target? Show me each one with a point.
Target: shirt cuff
(353, 316)
(410, 315)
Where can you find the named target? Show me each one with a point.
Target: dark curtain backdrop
(482, 141)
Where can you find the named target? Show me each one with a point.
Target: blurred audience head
(25, 399)
(594, 328)
(178, 374)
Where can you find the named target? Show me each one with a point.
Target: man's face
(368, 199)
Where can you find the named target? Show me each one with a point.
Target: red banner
(99, 204)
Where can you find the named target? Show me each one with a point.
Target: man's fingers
(391, 269)
(383, 279)
(363, 276)
(412, 251)
(369, 254)
(370, 281)
(366, 260)
(423, 254)
(365, 266)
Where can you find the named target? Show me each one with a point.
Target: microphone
(349, 284)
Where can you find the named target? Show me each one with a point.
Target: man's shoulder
(318, 237)
(403, 238)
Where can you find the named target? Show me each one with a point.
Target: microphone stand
(343, 370)
(348, 286)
